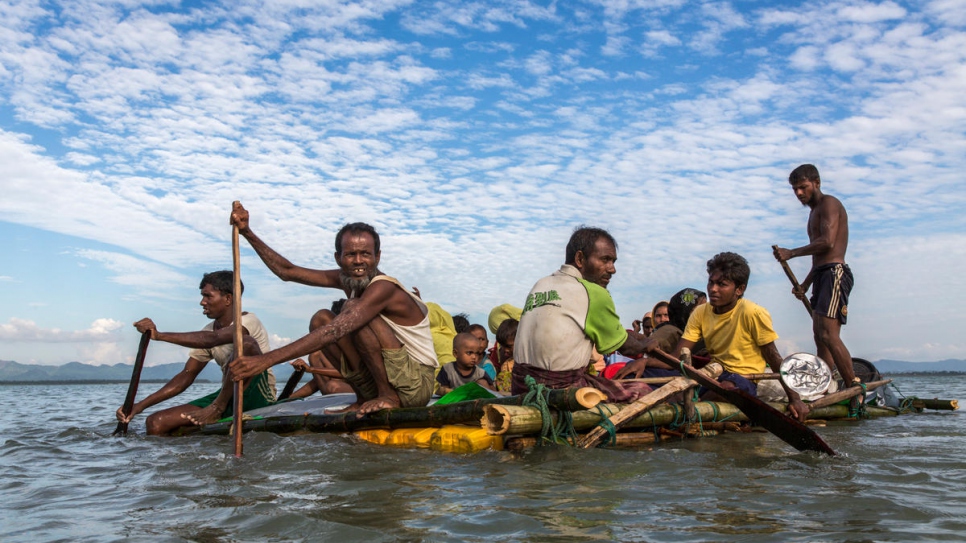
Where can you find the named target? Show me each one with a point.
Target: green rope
(561, 432)
(606, 424)
(859, 411)
(905, 404)
(675, 423)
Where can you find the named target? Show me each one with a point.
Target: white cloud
(18, 330)
(867, 12)
(474, 136)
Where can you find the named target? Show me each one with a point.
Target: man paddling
(569, 314)
(381, 340)
(830, 277)
(213, 342)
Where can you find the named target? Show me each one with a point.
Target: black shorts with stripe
(831, 285)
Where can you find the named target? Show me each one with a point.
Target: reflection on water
(62, 477)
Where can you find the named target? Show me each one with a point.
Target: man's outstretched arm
(202, 339)
(373, 301)
(281, 266)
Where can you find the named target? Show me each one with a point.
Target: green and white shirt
(565, 317)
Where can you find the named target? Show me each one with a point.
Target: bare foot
(378, 404)
(351, 407)
(206, 416)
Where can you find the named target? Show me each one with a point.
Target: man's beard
(355, 286)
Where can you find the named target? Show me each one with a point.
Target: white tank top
(417, 338)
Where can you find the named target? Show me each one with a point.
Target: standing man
(213, 342)
(570, 313)
(830, 277)
(381, 339)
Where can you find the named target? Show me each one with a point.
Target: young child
(506, 336)
(485, 364)
(467, 351)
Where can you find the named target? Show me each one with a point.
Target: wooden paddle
(784, 427)
(290, 385)
(132, 387)
(791, 277)
(239, 387)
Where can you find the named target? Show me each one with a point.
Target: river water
(64, 478)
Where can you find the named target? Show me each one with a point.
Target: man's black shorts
(831, 285)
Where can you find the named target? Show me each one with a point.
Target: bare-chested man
(214, 342)
(381, 340)
(830, 277)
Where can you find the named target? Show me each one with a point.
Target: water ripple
(67, 479)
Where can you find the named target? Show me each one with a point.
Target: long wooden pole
(132, 387)
(845, 394)
(239, 387)
(791, 277)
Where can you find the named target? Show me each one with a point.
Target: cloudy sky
(475, 136)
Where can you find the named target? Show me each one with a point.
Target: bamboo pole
(845, 394)
(841, 412)
(527, 420)
(935, 403)
(623, 440)
(468, 412)
(514, 420)
(239, 387)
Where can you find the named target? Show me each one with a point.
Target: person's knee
(320, 319)
(250, 346)
(153, 425)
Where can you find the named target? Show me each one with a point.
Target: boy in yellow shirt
(738, 333)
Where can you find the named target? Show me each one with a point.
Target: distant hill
(75, 371)
(897, 366)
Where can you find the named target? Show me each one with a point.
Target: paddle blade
(132, 388)
(121, 429)
(293, 381)
(787, 429)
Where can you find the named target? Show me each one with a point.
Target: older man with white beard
(381, 338)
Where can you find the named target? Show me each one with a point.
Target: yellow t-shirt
(735, 338)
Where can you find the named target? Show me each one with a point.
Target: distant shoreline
(920, 373)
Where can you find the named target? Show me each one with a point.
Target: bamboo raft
(504, 423)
